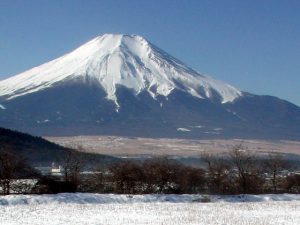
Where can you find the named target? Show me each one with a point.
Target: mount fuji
(124, 85)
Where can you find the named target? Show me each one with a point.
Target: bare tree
(218, 174)
(292, 183)
(127, 177)
(190, 180)
(161, 175)
(274, 164)
(12, 166)
(73, 164)
(98, 181)
(248, 177)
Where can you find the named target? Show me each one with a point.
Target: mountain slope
(124, 85)
(38, 151)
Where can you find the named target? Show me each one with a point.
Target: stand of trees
(14, 168)
(159, 175)
(238, 172)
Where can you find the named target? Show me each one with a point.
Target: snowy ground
(149, 209)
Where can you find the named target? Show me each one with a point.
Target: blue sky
(253, 45)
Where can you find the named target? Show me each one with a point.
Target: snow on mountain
(2, 107)
(126, 60)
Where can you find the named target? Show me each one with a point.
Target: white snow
(198, 126)
(211, 132)
(2, 107)
(183, 129)
(79, 208)
(90, 198)
(116, 59)
(218, 129)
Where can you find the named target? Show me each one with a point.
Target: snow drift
(88, 198)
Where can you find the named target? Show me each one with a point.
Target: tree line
(237, 172)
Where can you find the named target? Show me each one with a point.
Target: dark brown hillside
(39, 151)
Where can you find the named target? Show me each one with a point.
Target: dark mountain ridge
(40, 152)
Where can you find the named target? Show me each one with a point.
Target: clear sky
(253, 45)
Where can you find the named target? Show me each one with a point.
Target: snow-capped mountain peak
(114, 60)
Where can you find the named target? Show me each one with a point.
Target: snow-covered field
(149, 209)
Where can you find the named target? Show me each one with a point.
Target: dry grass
(123, 146)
